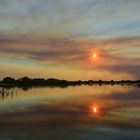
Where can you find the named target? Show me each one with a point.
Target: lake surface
(73, 113)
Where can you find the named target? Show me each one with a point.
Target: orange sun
(94, 109)
(94, 55)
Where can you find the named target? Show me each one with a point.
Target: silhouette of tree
(8, 80)
(27, 83)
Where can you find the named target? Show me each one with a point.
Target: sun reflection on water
(94, 109)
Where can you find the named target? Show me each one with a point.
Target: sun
(94, 109)
(94, 55)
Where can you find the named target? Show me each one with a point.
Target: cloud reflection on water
(86, 106)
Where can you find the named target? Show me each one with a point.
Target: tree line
(26, 81)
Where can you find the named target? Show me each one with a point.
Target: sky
(56, 38)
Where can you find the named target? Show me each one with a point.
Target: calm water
(72, 113)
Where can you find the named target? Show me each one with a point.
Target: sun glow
(94, 109)
(94, 55)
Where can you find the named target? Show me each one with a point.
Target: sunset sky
(57, 38)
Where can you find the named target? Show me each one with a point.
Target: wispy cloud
(76, 52)
(65, 18)
(66, 32)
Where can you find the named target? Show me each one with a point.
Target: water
(78, 112)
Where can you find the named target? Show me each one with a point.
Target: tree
(25, 80)
(8, 80)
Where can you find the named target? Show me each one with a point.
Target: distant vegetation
(26, 82)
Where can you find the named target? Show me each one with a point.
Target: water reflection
(94, 108)
(85, 106)
(7, 93)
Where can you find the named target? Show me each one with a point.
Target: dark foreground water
(72, 113)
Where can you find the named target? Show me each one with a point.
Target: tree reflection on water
(7, 93)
